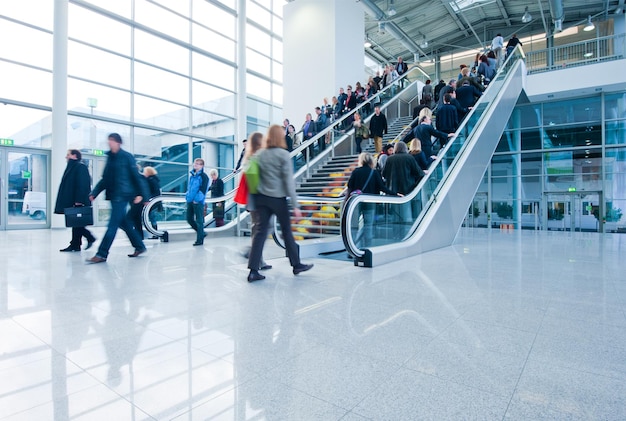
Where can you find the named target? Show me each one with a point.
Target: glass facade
(162, 73)
(559, 165)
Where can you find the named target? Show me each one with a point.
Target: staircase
(319, 219)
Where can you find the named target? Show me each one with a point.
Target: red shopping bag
(241, 196)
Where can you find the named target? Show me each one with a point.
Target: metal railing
(577, 54)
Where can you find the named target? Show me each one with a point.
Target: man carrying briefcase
(74, 192)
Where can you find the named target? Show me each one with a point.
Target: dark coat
(154, 185)
(349, 103)
(467, 95)
(447, 118)
(422, 160)
(75, 186)
(424, 132)
(378, 125)
(375, 185)
(402, 173)
(217, 188)
(121, 179)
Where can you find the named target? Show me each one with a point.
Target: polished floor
(519, 326)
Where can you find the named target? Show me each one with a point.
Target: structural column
(323, 50)
(59, 104)
(242, 109)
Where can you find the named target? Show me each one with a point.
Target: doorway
(573, 211)
(24, 188)
(101, 207)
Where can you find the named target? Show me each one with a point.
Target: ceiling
(473, 26)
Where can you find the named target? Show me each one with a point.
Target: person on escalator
(424, 131)
(402, 174)
(217, 190)
(276, 184)
(447, 116)
(415, 150)
(366, 180)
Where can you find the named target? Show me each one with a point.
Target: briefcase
(79, 216)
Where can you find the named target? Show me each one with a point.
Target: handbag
(241, 197)
(79, 216)
(253, 175)
(357, 191)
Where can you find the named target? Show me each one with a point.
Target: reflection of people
(195, 197)
(74, 191)
(124, 186)
(276, 184)
(217, 190)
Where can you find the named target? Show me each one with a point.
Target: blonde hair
(213, 172)
(357, 115)
(465, 71)
(415, 147)
(366, 160)
(275, 137)
(425, 112)
(150, 171)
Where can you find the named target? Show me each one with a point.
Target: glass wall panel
(258, 87)
(229, 3)
(177, 6)
(159, 83)
(277, 50)
(214, 17)
(26, 126)
(277, 71)
(211, 98)
(110, 102)
(579, 169)
(25, 84)
(572, 111)
(516, 140)
(161, 146)
(526, 116)
(213, 71)
(615, 189)
(119, 7)
(158, 113)
(162, 20)
(173, 176)
(615, 106)
(213, 43)
(88, 134)
(259, 40)
(23, 11)
(25, 45)
(277, 26)
(615, 132)
(97, 65)
(212, 125)
(258, 14)
(257, 62)
(99, 30)
(162, 53)
(570, 136)
(261, 112)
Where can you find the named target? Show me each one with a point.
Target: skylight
(460, 5)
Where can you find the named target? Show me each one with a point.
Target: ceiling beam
(455, 18)
(505, 15)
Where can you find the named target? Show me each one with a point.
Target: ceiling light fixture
(381, 28)
(391, 11)
(587, 55)
(527, 18)
(367, 44)
(424, 42)
(590, 26)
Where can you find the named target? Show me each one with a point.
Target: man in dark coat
(378, 128)
(447, 116)
(74, 191)
(124, 185)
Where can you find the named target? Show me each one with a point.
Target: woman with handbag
(74, 191)
(217, 190)
(366, 180)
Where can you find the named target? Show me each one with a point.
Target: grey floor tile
(410, 395)
(263, 400)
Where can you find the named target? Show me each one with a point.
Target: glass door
(26, 203)
(573, 212)
(557, 215)
(4, 195)
(101, 207)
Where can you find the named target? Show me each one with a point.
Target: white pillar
(59, 104)
(241, 130)
(322, 50)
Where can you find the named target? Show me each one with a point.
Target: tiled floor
(519, 326)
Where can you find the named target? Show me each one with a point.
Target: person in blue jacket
(195, 197)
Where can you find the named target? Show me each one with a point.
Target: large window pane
(214, 17)
(99, 30)
(161, 146)
(615, 132)
(211, 98)
(525, 116)
(258, 14)
(158, 113)
(257, 39)
(157, 51)
(35, 12)
(162, 20)
(26, 126)
(25, 84)
(213, 43)
(25, 45)
(213, 71)
(277, 50)
(259, 113)
(615, 106)
(258, 87)
(568, 136)
(162, 84)
(572, 111)
(97, 65)
(258, 62)
(214, 126)
(277, 26)
(580, 169)
(179, 6)
(88, 134)
(111, 103)
(119, 7)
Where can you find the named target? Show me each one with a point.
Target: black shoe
(301, 268)
(197, 244)
(70, 248)
(255, 276)
(137, 253)
(90, 243)
(266, 267)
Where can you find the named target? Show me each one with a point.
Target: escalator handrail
(354, 201)
(334, 124)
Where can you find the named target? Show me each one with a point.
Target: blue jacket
(198, 187)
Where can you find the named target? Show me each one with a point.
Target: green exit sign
(7, 142)
(27, 174)
(98, 152)
(571, 189)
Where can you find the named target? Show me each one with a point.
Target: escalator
(381, 229)
(169, 211)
